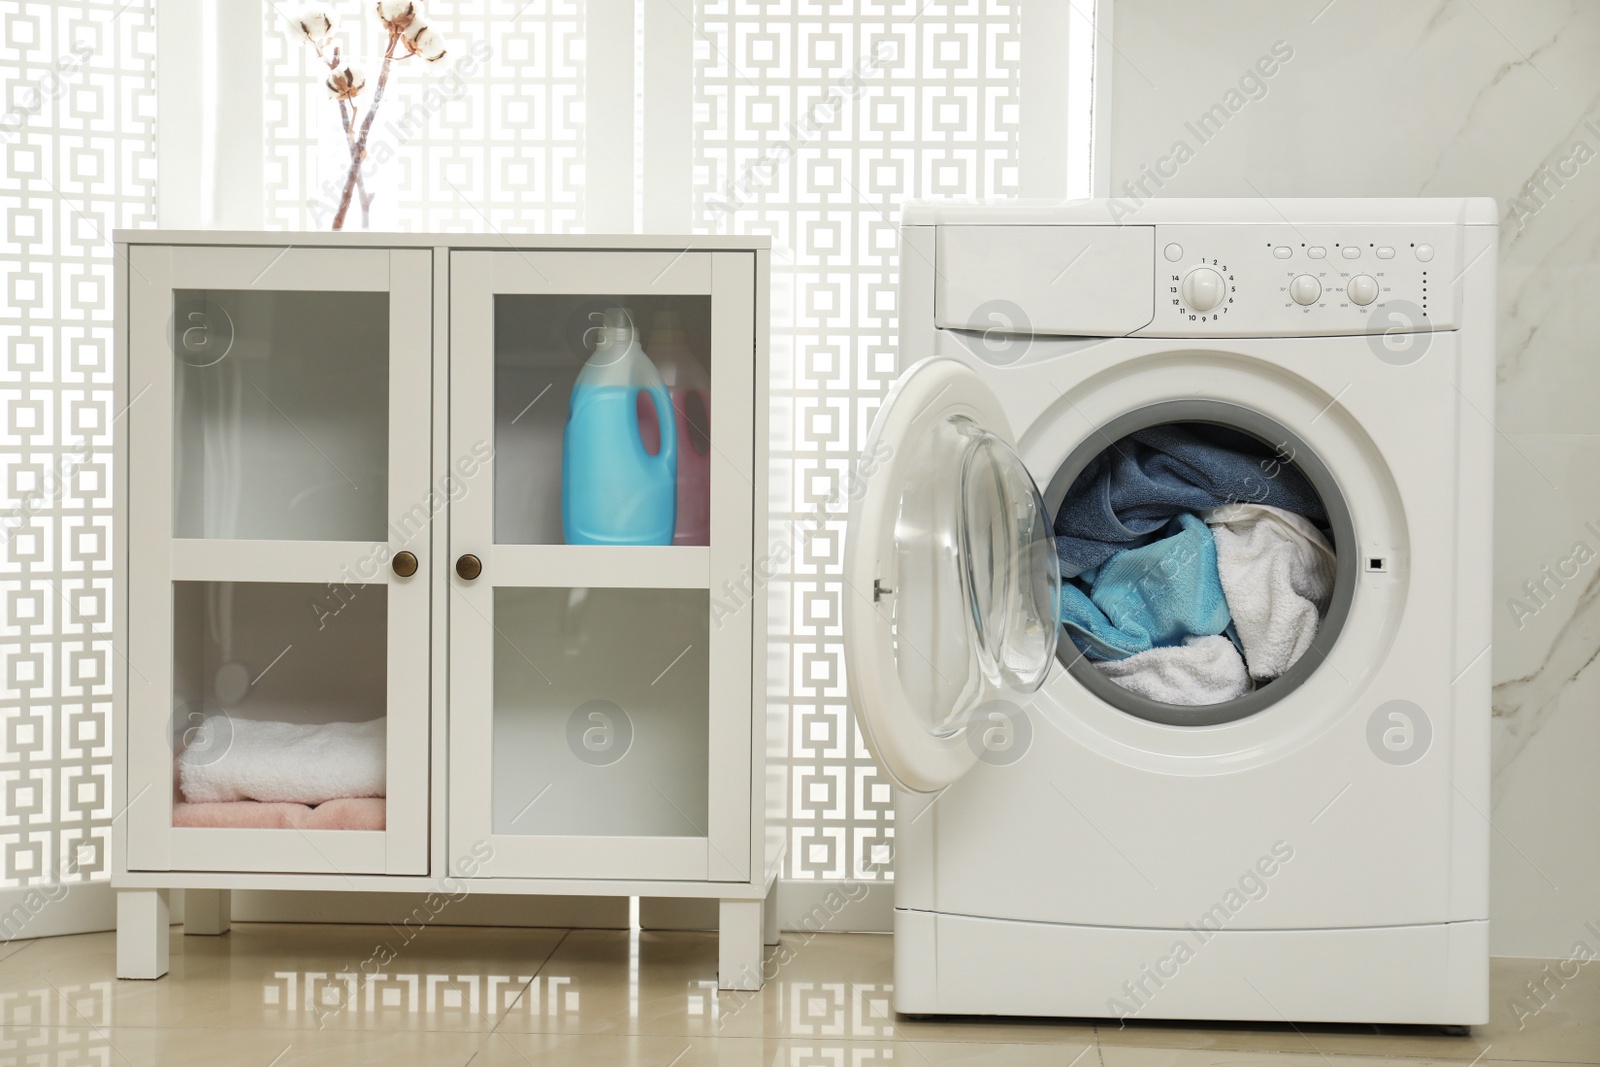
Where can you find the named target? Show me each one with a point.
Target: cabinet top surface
(515, 242)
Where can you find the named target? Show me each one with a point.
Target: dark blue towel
(1130, 491)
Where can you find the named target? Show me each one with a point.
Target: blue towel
(1130, 491)
(1148, 597)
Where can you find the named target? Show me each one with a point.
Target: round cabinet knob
(468, 567)
(1361, 289)
(1203, 289)
(1305, 289)
(404, 564)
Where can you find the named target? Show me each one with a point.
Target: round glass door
(976, 605)
(955, 581)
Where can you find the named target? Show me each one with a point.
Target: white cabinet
(600, 718)
(360, 652)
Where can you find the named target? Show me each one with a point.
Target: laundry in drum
(1202, 670)
(1147, 597)
(1277, 572)
(1133, 488)
(1180, 600)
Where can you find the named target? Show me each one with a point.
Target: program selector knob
(1305, 289)
(1362, 289)
(1203, 289)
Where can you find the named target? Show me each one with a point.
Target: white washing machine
(1313, 850)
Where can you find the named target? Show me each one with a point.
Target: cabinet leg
(142, 932)
(206, 911)
(769, 916)
(739, 945)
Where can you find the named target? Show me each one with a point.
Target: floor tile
(1115, 1056)
(650, 998)
(836, 987)
(598, 1050)
(1544, 1010)
(1282, 1039)
(297, 977)
(203, 1047)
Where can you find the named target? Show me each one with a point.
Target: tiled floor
(277, 996)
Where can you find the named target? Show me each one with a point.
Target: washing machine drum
(1215, 534)
(956, 595)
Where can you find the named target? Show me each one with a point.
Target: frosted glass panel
(540, 344)
(601, 711)
(302, 655)
(282, 415)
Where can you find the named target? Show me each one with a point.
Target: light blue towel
(1148, 597)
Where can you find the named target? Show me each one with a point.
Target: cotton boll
(318, 24)
(345, 82)
(423, 40)
(398, 14)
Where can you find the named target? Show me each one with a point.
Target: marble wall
(1449, 98)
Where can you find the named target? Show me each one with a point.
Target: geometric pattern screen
(812, 128)
(79, 142)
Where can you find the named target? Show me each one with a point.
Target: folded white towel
(1202, 670)
(283, 762)
(1277, 573)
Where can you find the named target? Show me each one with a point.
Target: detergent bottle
(690, 388)
(614, 489)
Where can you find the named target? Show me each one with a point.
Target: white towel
(1202, 670)
(1277, 573)
(283, 762)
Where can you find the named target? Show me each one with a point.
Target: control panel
(1287, 280)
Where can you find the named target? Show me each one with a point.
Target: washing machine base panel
(964, 965)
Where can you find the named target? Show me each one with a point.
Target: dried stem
(360, 150)
(346, 113)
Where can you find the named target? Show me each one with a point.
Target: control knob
(1305, 289)
(1362, 289)
(1203, 289)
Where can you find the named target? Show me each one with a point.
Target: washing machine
(1314, 849)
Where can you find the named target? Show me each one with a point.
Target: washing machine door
(952, 582)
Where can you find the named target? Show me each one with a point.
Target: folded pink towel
(361, 813)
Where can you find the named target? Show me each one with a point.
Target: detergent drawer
(1086, 281)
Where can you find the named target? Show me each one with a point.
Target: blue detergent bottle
(613, 490)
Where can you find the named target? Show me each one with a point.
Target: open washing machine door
(954, 584)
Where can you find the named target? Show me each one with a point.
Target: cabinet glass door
(600, 598)
(278, 406)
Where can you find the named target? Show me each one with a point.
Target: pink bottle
(690, 388)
